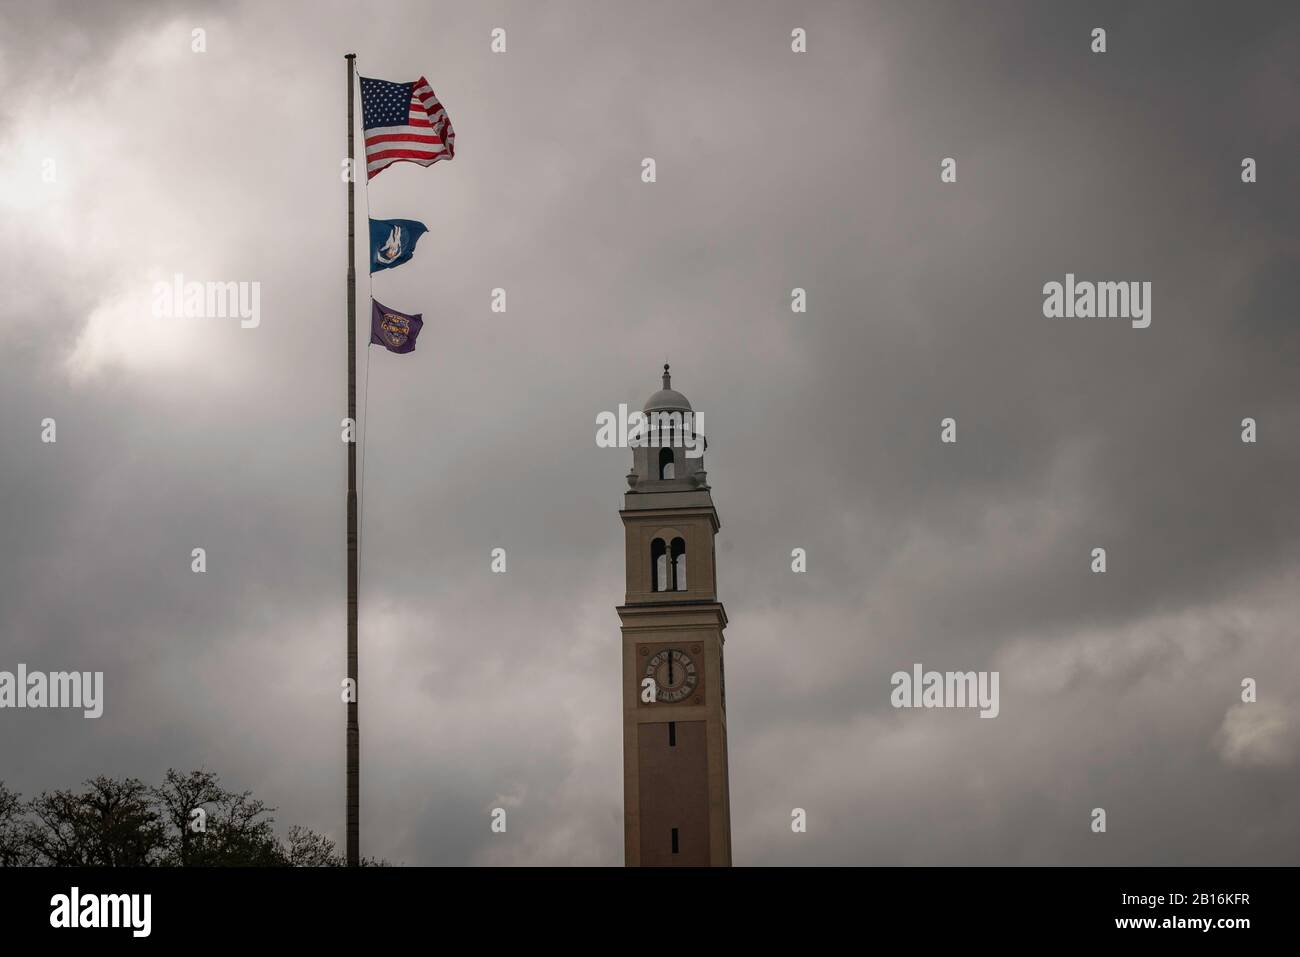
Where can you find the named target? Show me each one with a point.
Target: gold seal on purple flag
(395, 331)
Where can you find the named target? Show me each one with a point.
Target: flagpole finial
(667, 377)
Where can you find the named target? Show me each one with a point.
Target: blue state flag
(392, 241)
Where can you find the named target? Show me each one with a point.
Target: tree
(306, 848)
(240, 834)
(14, 850)
(111, 824)
(124, 823)
(178, 798)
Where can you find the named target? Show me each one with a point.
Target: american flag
(403, 121)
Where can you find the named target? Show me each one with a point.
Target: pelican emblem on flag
(392, 241)
(390, 250)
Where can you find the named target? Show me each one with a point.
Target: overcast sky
(775, 170)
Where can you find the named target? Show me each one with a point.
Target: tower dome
(668, 456)
(667, 399)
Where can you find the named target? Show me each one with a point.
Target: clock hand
(670, 667)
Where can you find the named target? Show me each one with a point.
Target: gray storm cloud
(775, 171)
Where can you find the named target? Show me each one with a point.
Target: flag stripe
(403, 154)
(408, 138)
(379, 133)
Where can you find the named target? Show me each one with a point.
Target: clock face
(674, 674)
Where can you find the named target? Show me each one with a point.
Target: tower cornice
(667, 513)
(679, 614)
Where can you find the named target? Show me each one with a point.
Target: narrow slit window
(674, 840)
(677, 553)
(672, 734)
(659, 567)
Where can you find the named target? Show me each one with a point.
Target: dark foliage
(190, 820)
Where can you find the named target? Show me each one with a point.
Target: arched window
(659, 569)
(666, 468)
(678, 554)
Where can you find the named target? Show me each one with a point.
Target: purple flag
(395, 331)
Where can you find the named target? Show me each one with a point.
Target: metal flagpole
(354, 729)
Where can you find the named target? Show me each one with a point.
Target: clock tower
(676, 801)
